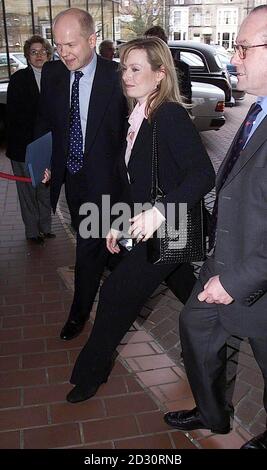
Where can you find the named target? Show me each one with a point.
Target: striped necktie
(231, 160)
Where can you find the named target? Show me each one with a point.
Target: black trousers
(203, 341)
(92, 257)
(91, 253)
(121, 298)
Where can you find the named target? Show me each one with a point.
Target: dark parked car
(207, 67)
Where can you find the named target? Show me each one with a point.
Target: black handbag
(179, 243)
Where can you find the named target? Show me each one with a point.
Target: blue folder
(38, 157)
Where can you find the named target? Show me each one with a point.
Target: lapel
(62, 100)
(124, 168)
(102, 89)
(257, 139)
(31, 79)
(141, 140)
(225, 161)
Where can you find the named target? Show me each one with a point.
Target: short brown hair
(32, 40)
(158, 32)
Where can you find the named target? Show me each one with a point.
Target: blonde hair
(160, 58)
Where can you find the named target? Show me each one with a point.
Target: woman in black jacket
(185, 175)
(22, 105)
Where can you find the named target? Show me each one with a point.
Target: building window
(233, 40)
(25, 17)
(227, 17)
(177, 19)
(197, 19)
(207, 18)
(226, 40)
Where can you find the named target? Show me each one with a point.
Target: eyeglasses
(34, 52)
(242, 50)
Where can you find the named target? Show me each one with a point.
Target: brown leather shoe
(187, 420)
(257, 442)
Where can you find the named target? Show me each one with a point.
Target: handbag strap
(156, 192)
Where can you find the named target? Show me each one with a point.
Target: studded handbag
(180, 242)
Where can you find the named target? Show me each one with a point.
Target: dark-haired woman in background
(22, 106)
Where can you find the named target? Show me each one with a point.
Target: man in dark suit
(230, 298)
(82, 103)
(107, 49)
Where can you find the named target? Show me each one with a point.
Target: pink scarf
(135, 120)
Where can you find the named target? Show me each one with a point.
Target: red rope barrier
(15, 178)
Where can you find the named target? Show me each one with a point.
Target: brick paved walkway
(35, 365)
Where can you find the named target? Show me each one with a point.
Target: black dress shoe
(48, 235)
(36, 240)
(79, 393)
(82, 393)
(258, 442)
(71, 329)
(187, 420)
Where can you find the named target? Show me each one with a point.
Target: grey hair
(105, 45)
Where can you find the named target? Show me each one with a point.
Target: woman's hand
(145, 224)
(47, 176)
(112, 241)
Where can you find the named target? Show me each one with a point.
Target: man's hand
(47, 176)
(112, 241)
(145, 224)
(214, 293)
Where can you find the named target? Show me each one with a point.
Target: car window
(21, 58)
(192, 59)
(3, 59)
(195, 61)
(220, 62)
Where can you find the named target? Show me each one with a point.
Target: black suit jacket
(185, 171)
(105, 125)
(22, 107)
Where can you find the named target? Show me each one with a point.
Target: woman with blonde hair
(185, 176)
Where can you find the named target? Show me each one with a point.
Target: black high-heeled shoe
(81, 393)
(78, 393)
